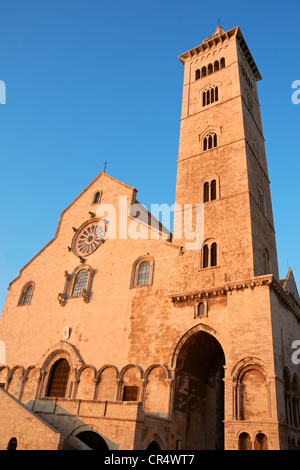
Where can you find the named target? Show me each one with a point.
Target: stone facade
(134, 341)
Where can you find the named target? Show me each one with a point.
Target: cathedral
(120, 335)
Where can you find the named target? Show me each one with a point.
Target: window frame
(135, 271)
(23, 294)
(209, 244)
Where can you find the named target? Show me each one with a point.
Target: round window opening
(88, 238)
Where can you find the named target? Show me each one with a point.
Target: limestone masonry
(127, 342)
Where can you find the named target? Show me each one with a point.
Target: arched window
(203, 72)
(245, 442)
(209, 254)
(213, 254)
(205, 256)
(222, 63)
(210, 190)
(266, 262)
(206, 192)
(210, 95)
(59, 377)
(216, 66)
(210, 141)
(80, 282)
(261, 442)
(97, 197)
(143, 273)
(210, 69)
(197, 74)
(12, 445)
(213, 190)
(26, 294)
(201, 309)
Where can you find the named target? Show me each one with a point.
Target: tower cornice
(218, 38)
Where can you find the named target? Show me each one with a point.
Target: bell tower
(222, 161)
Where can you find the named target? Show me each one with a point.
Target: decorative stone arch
(249, 361)
(244, 440)
(86, 428)
(136, 382)
(107, 366)
(31, 381)
(238, 373)
(177, 345)
(135, 270)
(256, 440)
(85, 387)
(13, 387)
(157, 391)
(107, 383)
(199, 358)
(62, 350)
(154, 366)
(82, 368)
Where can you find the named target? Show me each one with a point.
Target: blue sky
(89, 81)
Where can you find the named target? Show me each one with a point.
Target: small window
(205, 256)
(213, 254)
(206, 192)
(210, 69)
(143, 273)
(210, 96)
(197, 74)
(210, 141)
(213, 190)
(130, 393)
(201, 309)
(210, 191)
(80, 283)
(266, 262)
(203, 72)
(26, 294)
(216, 66)
(261, 200)
(209, 255)
(222, 63)
(97, 197)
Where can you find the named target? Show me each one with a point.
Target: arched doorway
(199, 392)
(58, 381)
(93, 440)
(153, 447)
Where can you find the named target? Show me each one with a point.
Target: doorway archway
(199, 391)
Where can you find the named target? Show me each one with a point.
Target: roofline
(61, 217)
(216, 40)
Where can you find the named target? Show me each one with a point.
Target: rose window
(89, 238)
